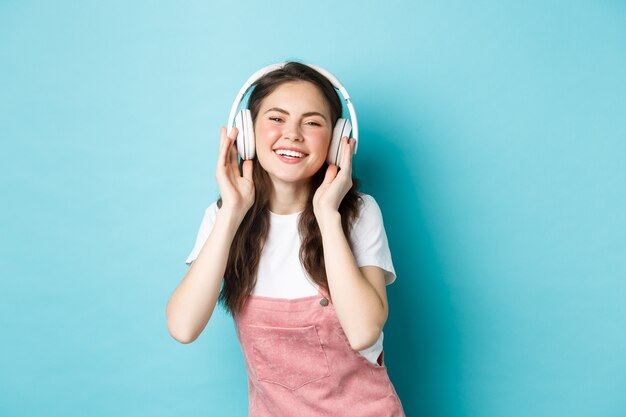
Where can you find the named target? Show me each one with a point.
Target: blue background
(492, 135)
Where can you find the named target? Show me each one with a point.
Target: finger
(234, 161)
(234, 166)
(234, 133)
(225, 143)
(220, 170)
(331, 173)
(247, 170)
(346, 154)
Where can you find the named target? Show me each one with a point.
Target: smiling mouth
(289, 154)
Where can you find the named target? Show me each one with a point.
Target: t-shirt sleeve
(369, 239)
(203, 233)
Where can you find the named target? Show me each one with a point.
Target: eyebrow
(311, 113)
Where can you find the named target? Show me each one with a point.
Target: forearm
(359, 308)
(192, 303)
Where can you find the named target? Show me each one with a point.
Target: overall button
(324, 302)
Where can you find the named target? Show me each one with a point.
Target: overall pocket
(291, 357)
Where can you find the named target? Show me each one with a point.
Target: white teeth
(293, 154)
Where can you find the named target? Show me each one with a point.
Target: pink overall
(299, 363)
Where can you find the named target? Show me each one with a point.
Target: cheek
(267, 134)
(322, 140)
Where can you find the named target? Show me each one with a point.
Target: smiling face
(292, 132)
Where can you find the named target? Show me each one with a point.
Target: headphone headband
(330, 77)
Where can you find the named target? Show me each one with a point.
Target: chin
(288, 176)
(294, 179)
(293, 175)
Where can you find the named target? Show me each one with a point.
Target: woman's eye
(312, 123)
(275, 119)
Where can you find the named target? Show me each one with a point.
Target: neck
(288, 198)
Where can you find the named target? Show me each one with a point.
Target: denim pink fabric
(300, 363)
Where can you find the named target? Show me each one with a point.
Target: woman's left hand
(336, 184)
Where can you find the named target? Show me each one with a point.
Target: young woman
(298, 257)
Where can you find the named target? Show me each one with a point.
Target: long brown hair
(249, 240)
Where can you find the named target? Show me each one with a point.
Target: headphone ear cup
(343, 127)
(245, 135)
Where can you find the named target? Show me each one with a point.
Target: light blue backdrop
(492, 134)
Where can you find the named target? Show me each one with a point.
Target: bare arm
(359, 294)
(191, 305)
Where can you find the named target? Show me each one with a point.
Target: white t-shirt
(280, 273)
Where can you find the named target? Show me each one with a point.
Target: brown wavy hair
(247, 246)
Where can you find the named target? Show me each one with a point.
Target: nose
(292, 131)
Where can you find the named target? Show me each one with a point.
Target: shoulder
(206, 225)
(208, 219)
(368, 208)
(369, 240)
(212, 209)
(210, 212)
(369, 217)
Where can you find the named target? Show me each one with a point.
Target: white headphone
(243, 118)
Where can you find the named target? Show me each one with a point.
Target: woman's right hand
(237, 191)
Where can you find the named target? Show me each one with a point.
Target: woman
(301, 259)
